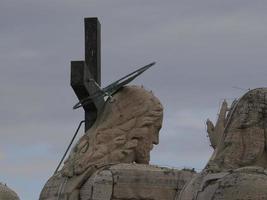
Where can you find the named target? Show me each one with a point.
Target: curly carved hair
(124, 132)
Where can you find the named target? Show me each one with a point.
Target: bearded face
(124, 133)
(147, 137)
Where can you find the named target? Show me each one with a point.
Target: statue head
(242, 140)
(236, 168)
(7, 194)
(124, 132)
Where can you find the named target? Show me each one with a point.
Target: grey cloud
(202, 49)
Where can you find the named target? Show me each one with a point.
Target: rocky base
(135, 181)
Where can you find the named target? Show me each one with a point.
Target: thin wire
(67, 150)
(239, 88)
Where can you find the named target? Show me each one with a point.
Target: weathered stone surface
(135, 181)
(236, 169)
(243, 140)
(7, 194)
(248, 183)
(110, 162)
(124, 133)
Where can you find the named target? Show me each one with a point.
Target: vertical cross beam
(82, 72)
(92, 50)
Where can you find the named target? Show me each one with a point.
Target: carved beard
(143, 151)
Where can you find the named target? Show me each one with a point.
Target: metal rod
(67, 150)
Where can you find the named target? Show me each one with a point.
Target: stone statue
(135, 181)
(124, 132)
(7, 194)
(236, 169)
(111, 161)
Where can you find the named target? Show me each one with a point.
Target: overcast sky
(203, 48)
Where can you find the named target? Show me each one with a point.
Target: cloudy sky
(203, 48)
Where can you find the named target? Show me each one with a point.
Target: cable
(67, 150)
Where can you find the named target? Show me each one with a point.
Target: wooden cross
(86, 75)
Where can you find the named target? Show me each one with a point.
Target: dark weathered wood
(80, 85)
(93, 47)
(77, 79)
(84, 73)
